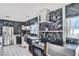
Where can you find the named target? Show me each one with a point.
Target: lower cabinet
(18, 40)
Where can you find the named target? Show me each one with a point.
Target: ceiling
(25, 11)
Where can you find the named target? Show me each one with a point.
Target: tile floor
(15, 50)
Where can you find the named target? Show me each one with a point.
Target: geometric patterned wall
(17, 26)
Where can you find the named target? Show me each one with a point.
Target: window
(73, 27)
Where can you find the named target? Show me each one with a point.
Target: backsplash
(53, 37)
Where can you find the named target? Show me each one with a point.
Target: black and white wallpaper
(55, 21)
(44, 25)
(17, 26)
(72, 10)
(54, 24)
(53, 37)
(31, 21)
(56, 18)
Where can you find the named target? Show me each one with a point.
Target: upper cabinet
(72, 10)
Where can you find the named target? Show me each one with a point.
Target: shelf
(51, 31)
(45, 21)
(25, 27)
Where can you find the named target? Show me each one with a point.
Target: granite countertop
(39, 45)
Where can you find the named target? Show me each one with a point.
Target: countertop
(55, 50)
